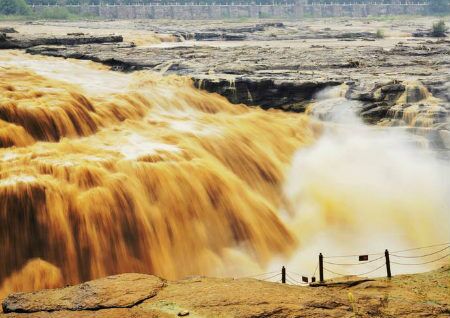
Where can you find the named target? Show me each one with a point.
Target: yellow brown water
(410, 107)
(104, 173)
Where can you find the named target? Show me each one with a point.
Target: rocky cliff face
(138, 295)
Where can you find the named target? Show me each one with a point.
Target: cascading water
(104, 173)
(411, 109)
(158, 177)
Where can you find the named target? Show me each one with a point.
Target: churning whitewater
(104, 173)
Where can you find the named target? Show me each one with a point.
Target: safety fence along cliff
(360, 265)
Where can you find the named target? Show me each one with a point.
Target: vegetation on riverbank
(18, 10)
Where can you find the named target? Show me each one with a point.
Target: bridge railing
(274, 3)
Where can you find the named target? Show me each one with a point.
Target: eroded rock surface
(120, 291)
(271, 76)
(147, 296)
(19, 41)
(387, 84)
(7, 30)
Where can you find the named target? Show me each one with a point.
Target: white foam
(137, 146)
(17, 179)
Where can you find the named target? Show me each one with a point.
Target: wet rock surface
(402, 296)
(262, 31)
(284, 65)
(7, 30)
(13, 40)
(285, 77)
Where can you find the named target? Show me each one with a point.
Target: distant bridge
(282, 10)
(237, 3)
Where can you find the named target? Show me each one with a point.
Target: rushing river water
(104, 173)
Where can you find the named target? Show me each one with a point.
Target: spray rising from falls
(362, 189)
(138, 172)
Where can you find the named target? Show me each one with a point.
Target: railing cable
(276, 275)
(424, 255)
(259, 275)
(422, 247)
(361, 274)
(298, 281)
(344, 256)
(353, 264)
(291, 280)
(424, 263)
(313, 275)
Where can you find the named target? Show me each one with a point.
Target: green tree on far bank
(14, 7)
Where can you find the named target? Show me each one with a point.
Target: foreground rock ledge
(139, 296)
(120, 291)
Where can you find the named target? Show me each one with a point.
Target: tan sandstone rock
(144, 296)
(119, 291)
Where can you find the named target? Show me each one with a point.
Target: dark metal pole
(388, 263)
(321, 268)
(283, 275)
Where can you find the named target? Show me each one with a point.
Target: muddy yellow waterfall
(104, 173)
(115, 173)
